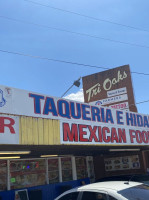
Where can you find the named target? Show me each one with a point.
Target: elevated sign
(110, 87)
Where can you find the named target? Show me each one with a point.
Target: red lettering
(4, 123)
(138, 136)
(106, 138)
(99, 134)
(114, 135)
(122, 135)
(82, 133)
(70, 135)
(145, 136)
(141, 137)
(131, 135)
(93, 133)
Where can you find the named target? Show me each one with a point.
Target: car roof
(111, 185)
(106, 186)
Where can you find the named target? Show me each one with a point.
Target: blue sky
(55, 78)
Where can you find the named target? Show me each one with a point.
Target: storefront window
(53, 170)
(33, 172)
(81, 167)
(3, 175)
(66, 169)
(27, 173)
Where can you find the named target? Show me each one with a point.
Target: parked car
(113, 190)
(143, 178)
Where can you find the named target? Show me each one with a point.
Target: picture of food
(135, 158)
(18, 179)
(117, 161)
(13, 166)
(66, 163)
(136, 165)
(53, 175)
(117, 166)
(3, 182)
(126, 166)
(53, 164)
(41, 179)
(30, 178)
(67, 175)
(34, 178)
(125, 160)
(108, 168)
(80, 161)
(81, 167)
(3, 167)
(108, 162)
(19, 166)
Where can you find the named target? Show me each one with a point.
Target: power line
(143, 102)
(146, 101)
(61, 61)
(76, 33)
(51, 59)
(86, 16)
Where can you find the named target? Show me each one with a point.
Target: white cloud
(76, 96)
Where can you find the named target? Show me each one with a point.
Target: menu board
(122, 163)
(81, 167)
(3, 175)
(53, 170)
(66, 169)
(27, 173)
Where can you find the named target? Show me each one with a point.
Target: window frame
(78, 198)
(96, 191)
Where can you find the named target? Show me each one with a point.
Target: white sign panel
(106, 128)
(121, 106)
(80, 123)
(111, 100)
(9, 129)
(117, 92)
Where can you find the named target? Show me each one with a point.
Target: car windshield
(140, 192)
